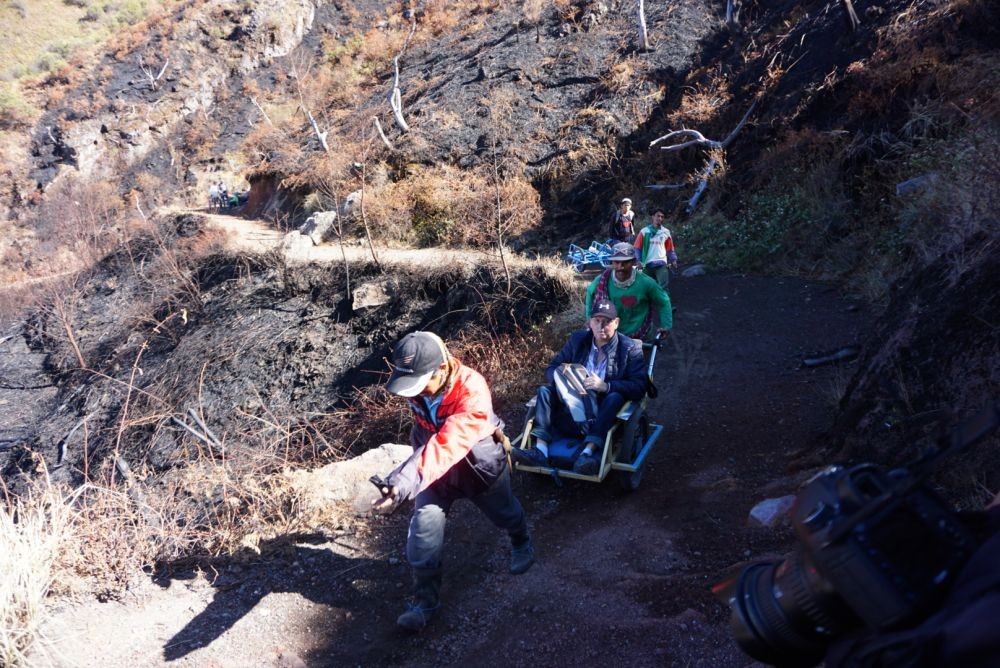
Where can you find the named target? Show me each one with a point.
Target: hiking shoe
(521, 557)
(416, 616)
(529, 457)
(587, 464)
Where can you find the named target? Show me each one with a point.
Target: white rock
(319, 226)
(294, 242)
(369, 295)
(771, 512)
(347, 481)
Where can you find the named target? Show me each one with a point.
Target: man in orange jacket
(457, 454)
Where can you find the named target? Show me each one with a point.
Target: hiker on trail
(635, 296)
(223, 195)
(458, 453)
(620, 226)
(654, 249)
(213, 195)
(617, 373)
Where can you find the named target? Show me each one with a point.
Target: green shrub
(431, 225)
(752, 241)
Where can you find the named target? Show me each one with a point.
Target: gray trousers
(426, 536)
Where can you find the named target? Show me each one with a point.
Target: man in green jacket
(635, 295)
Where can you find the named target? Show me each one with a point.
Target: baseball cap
(415, 359)
(626, 200)
(621, 252)
(605, 309)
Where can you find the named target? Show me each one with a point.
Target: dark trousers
(552, 420)
(426, 536)
(661, 275)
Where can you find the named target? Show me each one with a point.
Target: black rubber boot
(426, 585)
(522, 554)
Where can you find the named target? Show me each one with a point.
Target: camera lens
(785, 613)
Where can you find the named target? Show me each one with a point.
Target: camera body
(876, 548)
(890, 558)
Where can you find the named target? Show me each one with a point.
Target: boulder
(319, 227)
(349, 207)
(294, 243)
(346, 482)
(370, 295)
(694, 270)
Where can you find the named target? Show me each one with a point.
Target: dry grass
(35, 536)
(701, 104)
(44, 33)
(447, 206)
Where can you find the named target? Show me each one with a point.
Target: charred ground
(96, 378)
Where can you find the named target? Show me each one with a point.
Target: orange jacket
(452, 439)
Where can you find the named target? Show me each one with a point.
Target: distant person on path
(617, 373)
(654, 249)
(458, 453)
(223, 195)
(635, 296)
(620, 226)
(213, 195)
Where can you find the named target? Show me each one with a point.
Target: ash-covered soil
(107, 369)
(621, 579)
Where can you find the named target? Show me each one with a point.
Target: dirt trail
(254, 236)
(621, 579)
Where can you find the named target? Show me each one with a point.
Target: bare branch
(139, 209)
(643, 36)
(733, 13)
(851, 16)
(739, 126)
(666, 186)
(204, 427)
(396, 99)
(703, 183)
(361, 204)
(381, 133)
(319, 133)
(499, 204)
(700, 139)
(197, 434)
(149, 74)
(64, 318)
(262, 112)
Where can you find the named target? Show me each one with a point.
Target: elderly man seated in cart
(615, 372)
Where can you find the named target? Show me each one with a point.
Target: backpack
(580, 403)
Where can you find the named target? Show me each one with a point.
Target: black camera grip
(383, 486)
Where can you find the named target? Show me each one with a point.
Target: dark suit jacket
(629, 377)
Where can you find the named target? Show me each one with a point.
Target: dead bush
(447, 206)
(35, 539)
(77, 223)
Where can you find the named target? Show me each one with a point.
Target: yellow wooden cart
(625, 451)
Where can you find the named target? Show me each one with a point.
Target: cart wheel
(633, 438)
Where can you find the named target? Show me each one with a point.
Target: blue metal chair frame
(594, 256)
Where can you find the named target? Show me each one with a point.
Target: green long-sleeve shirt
(634, 302)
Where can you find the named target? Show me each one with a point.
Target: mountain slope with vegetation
(859, 154)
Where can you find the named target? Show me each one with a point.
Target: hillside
(796, 153)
